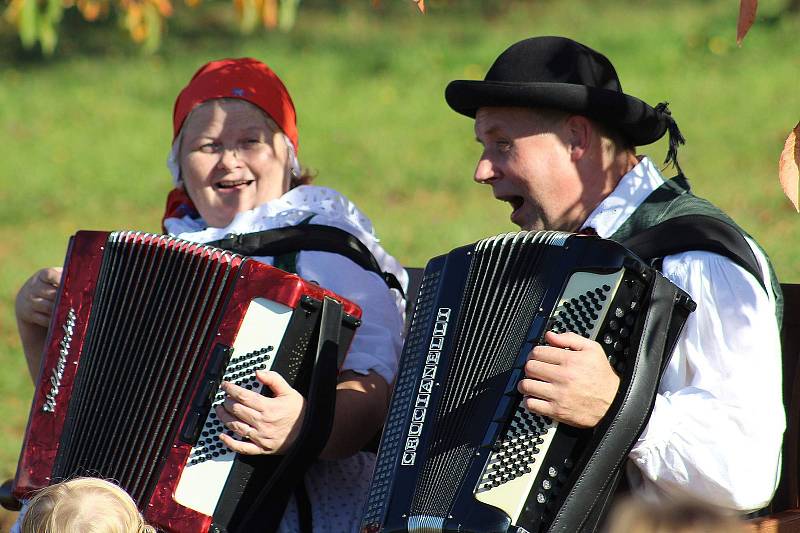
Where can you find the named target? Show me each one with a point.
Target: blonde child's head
(83, 505)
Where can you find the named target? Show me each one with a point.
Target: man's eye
(503, 146)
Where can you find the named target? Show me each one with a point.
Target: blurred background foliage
(38, 21)
(87, 129)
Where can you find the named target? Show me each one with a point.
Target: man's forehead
(489, 120)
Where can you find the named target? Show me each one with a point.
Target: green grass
(85, 133)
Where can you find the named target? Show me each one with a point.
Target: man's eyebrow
(491, 131)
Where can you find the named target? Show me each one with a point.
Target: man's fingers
(568, 340)
(541, 370)
(547, 354)
(539, 406)
(537, 389)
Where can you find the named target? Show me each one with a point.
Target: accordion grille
(414, 353)
(501, 297)
(155, 310)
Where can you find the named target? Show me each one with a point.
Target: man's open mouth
(515, 201)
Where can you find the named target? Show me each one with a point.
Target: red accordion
(145, 329)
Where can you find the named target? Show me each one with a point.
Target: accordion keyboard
(514, 465)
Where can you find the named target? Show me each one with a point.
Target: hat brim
(639, 122)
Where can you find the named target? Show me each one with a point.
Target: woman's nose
(229, 158)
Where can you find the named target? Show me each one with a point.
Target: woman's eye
(208, 148)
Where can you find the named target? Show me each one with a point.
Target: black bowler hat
(559, 73)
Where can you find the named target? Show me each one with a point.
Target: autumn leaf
(164, 7)
(420, 5)
(269, 13)
(788, 166)
(747, 16)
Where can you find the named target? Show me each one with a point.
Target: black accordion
(145, 329)
(459, 451)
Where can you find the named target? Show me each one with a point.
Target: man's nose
(485, 171)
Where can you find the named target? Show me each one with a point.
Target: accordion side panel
(585, 502)
(210, 461)
(59, 366)
(279, 293)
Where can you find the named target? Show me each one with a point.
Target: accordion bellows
(145, 329)
(459, 451)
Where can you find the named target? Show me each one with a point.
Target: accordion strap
(307, 237)
(691, 233)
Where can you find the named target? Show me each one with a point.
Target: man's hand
(570, 381)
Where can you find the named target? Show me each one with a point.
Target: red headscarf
(246, 79)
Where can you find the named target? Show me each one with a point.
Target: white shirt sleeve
(716, 430)
(378, 340)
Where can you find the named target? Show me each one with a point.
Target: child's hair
(83, 505)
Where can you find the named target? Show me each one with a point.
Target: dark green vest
(673, 199)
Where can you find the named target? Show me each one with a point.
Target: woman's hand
(268, 425)
(37, 297)
(34, 307)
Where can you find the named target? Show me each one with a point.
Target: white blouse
(378, 341)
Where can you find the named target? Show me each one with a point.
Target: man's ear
(578, 130)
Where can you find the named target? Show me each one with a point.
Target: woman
(235, 168)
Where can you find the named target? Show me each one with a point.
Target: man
(559, 136)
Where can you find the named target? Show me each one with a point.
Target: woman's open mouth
(232, 184)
